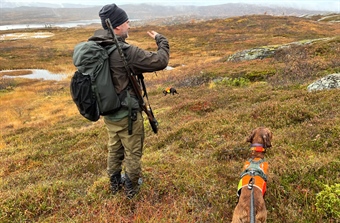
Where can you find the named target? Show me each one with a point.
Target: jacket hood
(104, 37)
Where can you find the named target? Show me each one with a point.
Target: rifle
(135, 86)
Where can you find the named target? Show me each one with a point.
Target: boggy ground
(53, 161)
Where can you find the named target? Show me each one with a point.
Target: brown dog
(252, 186)
(170, 90)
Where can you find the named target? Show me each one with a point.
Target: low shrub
(328, 201)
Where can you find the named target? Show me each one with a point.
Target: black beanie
(116, 15)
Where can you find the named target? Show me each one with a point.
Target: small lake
(35, 74)
(47, 25)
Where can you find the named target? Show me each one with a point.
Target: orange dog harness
(257, 169)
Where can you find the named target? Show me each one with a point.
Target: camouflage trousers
(126, 148)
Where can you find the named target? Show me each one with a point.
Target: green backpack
(91, 87)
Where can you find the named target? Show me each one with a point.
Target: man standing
(123, 146)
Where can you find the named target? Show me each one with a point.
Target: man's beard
(125, 35)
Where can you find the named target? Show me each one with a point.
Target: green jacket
(139, 61)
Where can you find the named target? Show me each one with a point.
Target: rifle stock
(135, 86)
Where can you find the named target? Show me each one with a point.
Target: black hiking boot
(131, 189)
(115, 183)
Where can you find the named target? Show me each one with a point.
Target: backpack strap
(111, 49)
(130, 113)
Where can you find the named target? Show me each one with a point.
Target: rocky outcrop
(267, 51)
(253, 54)
(329, 82)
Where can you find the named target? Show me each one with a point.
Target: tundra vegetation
(53, 161)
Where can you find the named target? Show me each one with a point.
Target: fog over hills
(7, 4)
(51, 13)
(326, 5)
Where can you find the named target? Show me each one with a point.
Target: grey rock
(331, 81)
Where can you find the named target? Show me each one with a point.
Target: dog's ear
(251, 136)
(267, 138)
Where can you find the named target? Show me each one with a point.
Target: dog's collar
(256, 145)
(257, 149)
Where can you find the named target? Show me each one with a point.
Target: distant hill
(64, 13)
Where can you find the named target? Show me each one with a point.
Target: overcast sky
(328, 5)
